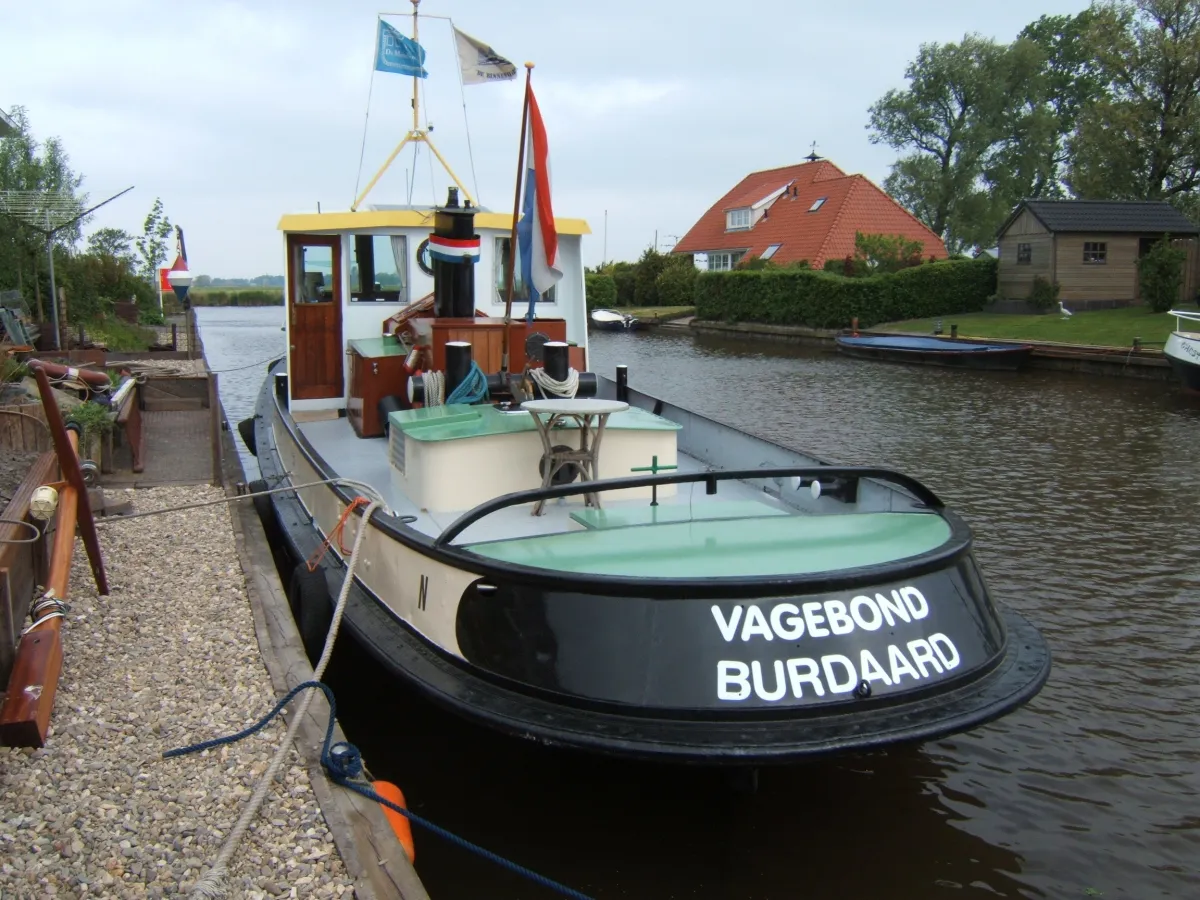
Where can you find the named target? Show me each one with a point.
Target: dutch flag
(537, 241)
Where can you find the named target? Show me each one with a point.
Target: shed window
(1024, 254)
(1095, 253)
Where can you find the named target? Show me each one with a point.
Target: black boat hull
(482, 690)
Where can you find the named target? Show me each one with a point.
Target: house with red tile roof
(808, 211)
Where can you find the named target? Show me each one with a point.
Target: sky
(235, 112)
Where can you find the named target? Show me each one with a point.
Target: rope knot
(344, 761)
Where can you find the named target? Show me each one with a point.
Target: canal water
(1083, 496)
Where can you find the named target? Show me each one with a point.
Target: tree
(29, 165)
(645, 284)
(1160, 274)
(115, 243)
(879, 253)
(1062, 78)
(957, 108)
(1140, 140)
(152, 245)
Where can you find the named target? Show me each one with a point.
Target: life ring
(422, 254)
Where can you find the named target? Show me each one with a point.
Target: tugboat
(564, 558)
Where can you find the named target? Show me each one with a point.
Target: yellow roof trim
(405, 218)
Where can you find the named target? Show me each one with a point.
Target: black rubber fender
(246, 430)
(312, 608)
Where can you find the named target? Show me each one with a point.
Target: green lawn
(658, 312)
(1101, 328)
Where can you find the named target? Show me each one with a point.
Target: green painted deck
(626, 516)
(452, 423)
(711, 548)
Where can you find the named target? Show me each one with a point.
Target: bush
(676, 283)
(1043, 294)
(825, 300)
(601, 291)
(624, 274)
(235, 296)
(645, 285)
(1160, 274)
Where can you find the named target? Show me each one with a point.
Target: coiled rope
(44, 609)
(435, 388)
(471, 389)
(343, 762)
(566, 388)
(211, 885)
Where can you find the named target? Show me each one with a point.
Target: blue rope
(471, 389)
(343, 762)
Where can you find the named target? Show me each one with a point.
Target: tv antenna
(48, 213)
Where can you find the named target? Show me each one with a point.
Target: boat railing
(1190, 315)
(844, 478)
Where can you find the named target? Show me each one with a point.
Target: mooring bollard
(953, 330)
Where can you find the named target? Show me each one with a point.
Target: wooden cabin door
(315, 316)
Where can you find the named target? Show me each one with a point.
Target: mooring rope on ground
(369, 490)
(211, 885)
(343, 762)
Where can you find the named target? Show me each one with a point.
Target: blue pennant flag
(399, 54)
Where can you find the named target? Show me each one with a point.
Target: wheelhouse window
(380, 269)
(1024, 254)
(315, 271)
(737, 219)
(1095, 253)
(520, 291)
(723, 261)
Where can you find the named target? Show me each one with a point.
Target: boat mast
(416, 135)
(512, 240)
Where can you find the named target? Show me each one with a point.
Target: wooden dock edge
(364, 838)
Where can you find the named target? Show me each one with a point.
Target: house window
(770, 251)
(520, 292)
(1095, 253)
(724, 260)
(380, 270)
(1024, 254)
(737, 219)
(817, 204)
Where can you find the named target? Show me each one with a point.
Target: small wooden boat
(1183, 351)
(935, 351)
(612, 320)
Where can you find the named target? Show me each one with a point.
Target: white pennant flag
(480, 63)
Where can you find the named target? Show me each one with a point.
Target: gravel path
(13, 466)
(168, 659)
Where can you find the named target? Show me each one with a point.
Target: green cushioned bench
(767, 545)
(673, 512)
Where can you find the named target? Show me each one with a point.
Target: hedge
(601, 291)
(824, 300)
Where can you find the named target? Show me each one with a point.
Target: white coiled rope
(568, 387)
(435, 388)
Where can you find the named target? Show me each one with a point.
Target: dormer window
(737, 219)
(817, 204)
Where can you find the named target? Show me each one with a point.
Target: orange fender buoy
(400, 824)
